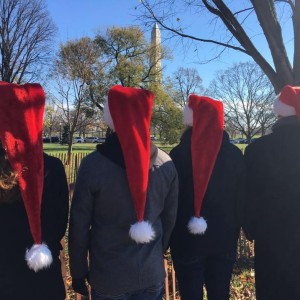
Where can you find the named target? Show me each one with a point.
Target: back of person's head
(287, 103)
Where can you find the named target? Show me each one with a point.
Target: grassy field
(88, 147)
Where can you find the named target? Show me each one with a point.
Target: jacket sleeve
(80, 222)
(55, 205)
(240, 197)
(254, 189)
(170, 211)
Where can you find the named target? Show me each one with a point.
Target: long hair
(9, 189)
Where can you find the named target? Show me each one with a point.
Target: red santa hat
(128, 112)
(287, 103)
(206, 116)
(21, 124)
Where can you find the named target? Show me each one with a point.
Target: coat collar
(112, 150)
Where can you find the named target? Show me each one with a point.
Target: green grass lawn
(86, 147)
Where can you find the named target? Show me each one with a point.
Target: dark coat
(101, 214)
(272, 211)
(221, 204)
(17, 281)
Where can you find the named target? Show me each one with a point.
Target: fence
(72, 167)
(245, 248)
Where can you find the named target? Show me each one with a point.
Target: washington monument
(155, 58)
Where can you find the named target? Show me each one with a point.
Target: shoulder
(97, 164)
(259, 145)
(52, 162)
(92, 159)
(174, 152)
(230, 150)
(164, 161)
(235, 150)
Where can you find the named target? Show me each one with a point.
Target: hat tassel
(197, 225)
(38, 257)
(142, 232)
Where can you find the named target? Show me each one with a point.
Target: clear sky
(77, 18)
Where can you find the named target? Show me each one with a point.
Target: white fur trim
(107, 116)
(142, 232)
(282, 109)
(197, 225)
(38, 257)
(188, 116)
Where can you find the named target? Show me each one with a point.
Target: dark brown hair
(9, 190)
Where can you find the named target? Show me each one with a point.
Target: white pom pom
(142, 232)
(197, 225)
(188, 116)
(38, 257)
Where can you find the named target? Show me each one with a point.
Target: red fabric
(291, 96)
(21, 124)
(207, 135)
(131, 110)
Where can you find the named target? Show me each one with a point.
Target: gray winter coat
(101, 214)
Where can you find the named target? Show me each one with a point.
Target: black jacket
(272, 211)
(17, 281)
(221, 205)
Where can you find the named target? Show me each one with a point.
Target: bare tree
(248, 97)
(238, 34)
(26, 33)
(52, 118)
(185, 81)
(73, 70)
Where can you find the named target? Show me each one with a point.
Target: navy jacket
(221, 206)
(272, 210)
(17, 281)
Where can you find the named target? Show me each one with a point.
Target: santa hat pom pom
(142, 232)
(188, 116)
(38, 257)
(197, 225)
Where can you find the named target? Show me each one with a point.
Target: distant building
(155, 57)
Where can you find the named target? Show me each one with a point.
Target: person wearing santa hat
(272, 208)
(211, 175)
(34, 200)
(124, 206)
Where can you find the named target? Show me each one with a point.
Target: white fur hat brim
(107, 116)
(282, 109)
(188, 116)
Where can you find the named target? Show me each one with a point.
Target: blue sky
(77, 18)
